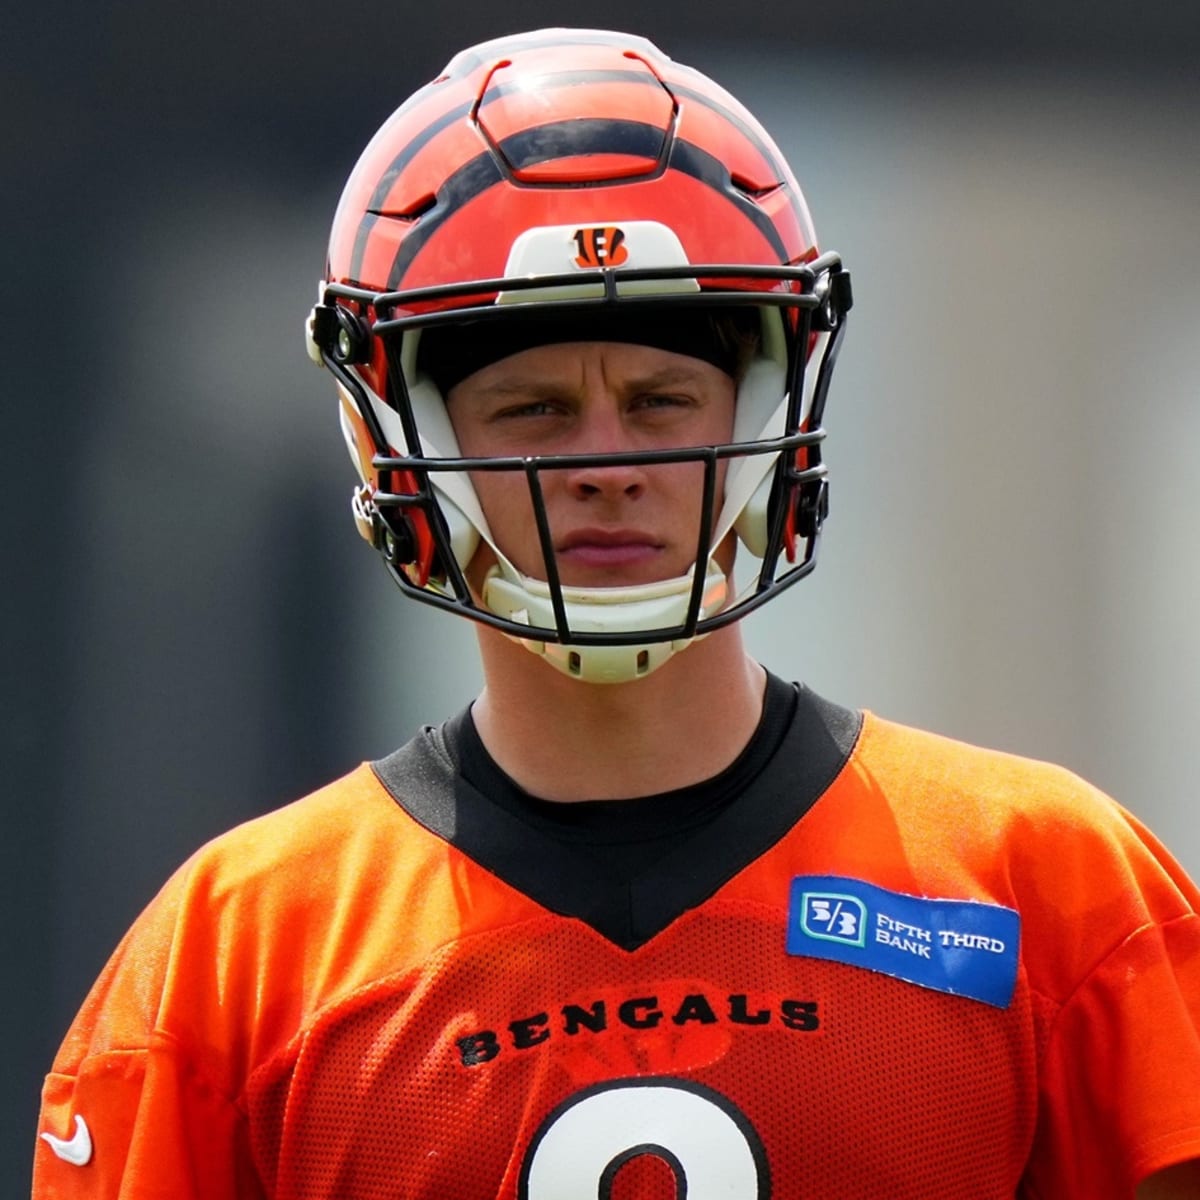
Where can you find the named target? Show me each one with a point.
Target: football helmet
(577, 180)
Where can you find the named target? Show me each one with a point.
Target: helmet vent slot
(754, 191)
(410, 212)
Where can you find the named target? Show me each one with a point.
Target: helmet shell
(555, 128)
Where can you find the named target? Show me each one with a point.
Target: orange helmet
(576, 179)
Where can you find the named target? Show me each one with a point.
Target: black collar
(628, 868)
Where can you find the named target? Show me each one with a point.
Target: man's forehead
(541, 370)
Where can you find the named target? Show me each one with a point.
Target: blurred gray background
(193, 633)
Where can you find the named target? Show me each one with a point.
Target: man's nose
(613, 481)
(603, 432)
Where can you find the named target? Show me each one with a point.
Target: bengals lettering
(636, 1013)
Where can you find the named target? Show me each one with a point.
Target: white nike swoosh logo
(78, 1150)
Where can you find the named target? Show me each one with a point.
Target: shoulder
(368, 815)
(351, 844)
(268, 922)
(1082, 871)
(1025, 800)
(922, 758)
(345, 817)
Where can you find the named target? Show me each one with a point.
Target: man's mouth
(607, 548)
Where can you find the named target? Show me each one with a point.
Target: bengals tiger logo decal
(602, 246)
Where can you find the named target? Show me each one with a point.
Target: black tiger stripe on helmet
(483, 172)
(469, 109)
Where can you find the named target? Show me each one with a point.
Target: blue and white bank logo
(962, 947)
(835, 916)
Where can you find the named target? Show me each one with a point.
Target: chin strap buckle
(395, 541)
(812, 508)
(333, 331)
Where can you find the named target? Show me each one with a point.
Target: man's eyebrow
(536, 385)
(672, 373)
(533, 386)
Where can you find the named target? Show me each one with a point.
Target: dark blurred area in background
(193, 634)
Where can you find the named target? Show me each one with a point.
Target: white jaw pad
(761, 412)
(646, 608)
(459, 505)
(761, 407)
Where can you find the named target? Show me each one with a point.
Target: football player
(645, 920)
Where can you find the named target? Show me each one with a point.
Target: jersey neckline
(630, 901)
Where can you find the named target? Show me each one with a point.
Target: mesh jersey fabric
(335, 1000)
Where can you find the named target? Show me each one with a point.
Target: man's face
(611, 526)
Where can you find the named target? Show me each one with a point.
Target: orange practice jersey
(985, 984)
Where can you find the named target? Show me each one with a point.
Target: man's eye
(533, 408)
(653, 400)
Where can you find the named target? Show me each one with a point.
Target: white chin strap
(605, 610)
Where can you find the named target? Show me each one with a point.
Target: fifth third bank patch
(963, 947)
